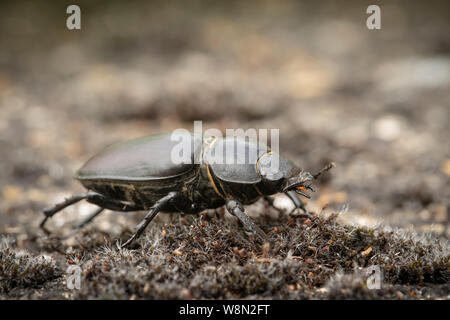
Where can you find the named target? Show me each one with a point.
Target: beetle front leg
(154, 210)
(237, 210)
(298, 205)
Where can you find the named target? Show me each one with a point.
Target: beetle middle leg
(154, 210)
(236, 209)
(90, 218)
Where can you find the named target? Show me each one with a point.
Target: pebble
(388, 128)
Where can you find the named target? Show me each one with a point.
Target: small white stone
(284, 203)
(388, 128)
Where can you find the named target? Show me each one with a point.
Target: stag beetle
(141, 175)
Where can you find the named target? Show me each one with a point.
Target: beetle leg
(154, 210)
(92, 197)
(271, 203)
(101, 201)
(236, 209)
(50, 212)
(298, 205)
(81, 224)
(89, 219)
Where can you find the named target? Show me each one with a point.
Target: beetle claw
(128, 241)
(42, 225)
(303, 214)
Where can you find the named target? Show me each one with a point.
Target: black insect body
(141, 175)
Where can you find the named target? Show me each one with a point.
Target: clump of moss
(19, 269)
(354, 286)
(210, 257)
(349, 286)
(403, 256)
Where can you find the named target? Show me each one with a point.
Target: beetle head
(299, 183)
(303, 181)
(281, 175)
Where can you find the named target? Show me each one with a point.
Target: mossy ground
(212, 257)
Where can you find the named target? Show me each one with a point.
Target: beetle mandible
(140, 175)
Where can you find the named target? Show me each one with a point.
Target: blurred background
(376, 102)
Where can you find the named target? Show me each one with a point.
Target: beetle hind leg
(50, 212)
(236, 209)
(92, 197)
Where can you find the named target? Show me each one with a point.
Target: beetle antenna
(324, 169)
